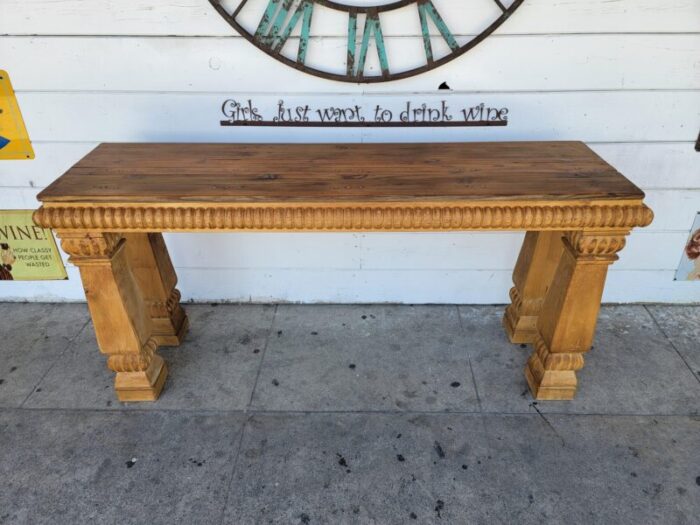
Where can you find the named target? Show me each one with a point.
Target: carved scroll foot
(142, 385)
(532, 276)
(140, 376)
(149, 259)
(552, 376)
(567, 320)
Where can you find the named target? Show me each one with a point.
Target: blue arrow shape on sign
(3, 142)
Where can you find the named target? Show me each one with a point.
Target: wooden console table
(110, 210)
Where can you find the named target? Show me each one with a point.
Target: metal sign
(27, 251)
(363, 112)
(14, 140)
(689, 268)
(284, 29)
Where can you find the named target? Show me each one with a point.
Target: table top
(341, 173)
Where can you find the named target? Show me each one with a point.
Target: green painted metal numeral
(272, 31)
(373, 28)
(427, 9)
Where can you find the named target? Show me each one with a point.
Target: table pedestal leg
(567, 320)
(532, 276)
(150, 263)
(119, 314)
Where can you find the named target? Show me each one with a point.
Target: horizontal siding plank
(654, 166)
(673, 209)
(430, 286)
(405, 251)
(371, 286)
(150, 117)
(409, 287)
(45, 291)
(197, 17)
(496, 251)
(649, 287)
(576, 62)
(52, 160)
(391, 251)
(649, 165)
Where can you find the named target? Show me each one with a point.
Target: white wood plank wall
(622, 75)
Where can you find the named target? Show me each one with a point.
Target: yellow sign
(27, 251)
(14, 140)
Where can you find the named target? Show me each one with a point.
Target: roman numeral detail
(372, 29)
(272, 31)
(500, 4)
(427, 9)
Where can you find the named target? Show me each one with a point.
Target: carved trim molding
(173, 301)
(520, 308)
(90, 245)
(166, 308)
(595, 243)
(135, 362)
(516, 300)
(416, 217)
(557, 361)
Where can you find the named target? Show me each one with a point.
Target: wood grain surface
(336, 173)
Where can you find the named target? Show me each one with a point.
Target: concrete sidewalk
(350, 414)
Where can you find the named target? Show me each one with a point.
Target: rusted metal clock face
(365, 40)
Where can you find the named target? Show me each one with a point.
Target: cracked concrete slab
(632, 369)
(115, 467)
(461, 468)
(215, 367)
(390, 439)
(34, 337)
(366, 357)
(681, 325)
